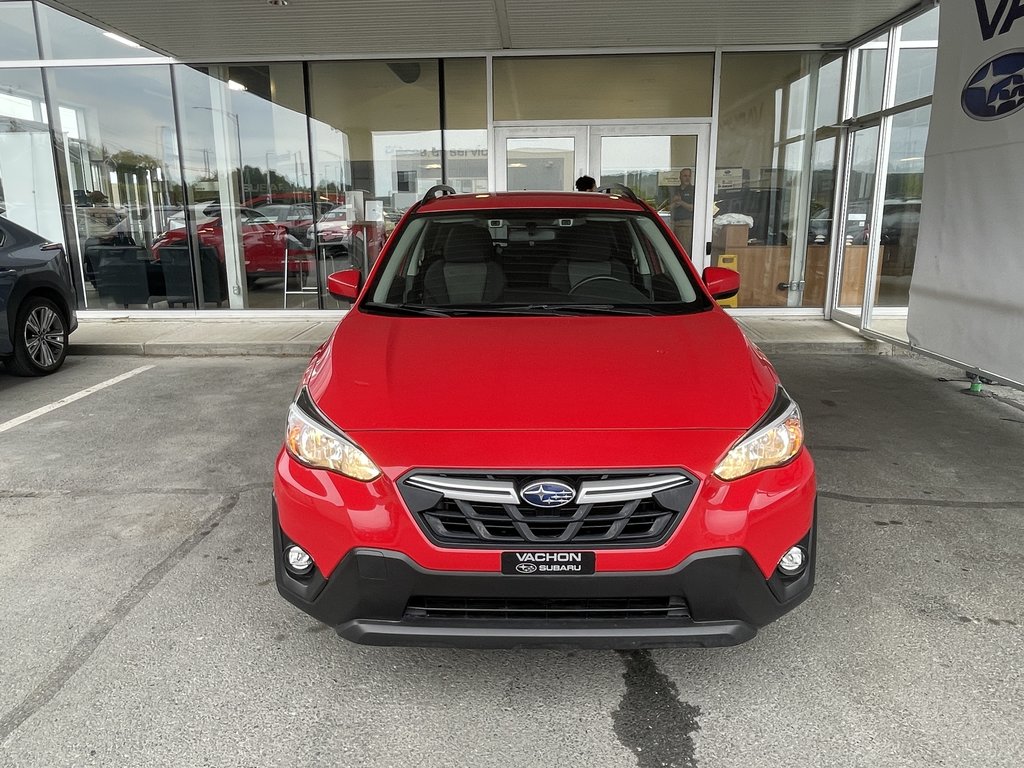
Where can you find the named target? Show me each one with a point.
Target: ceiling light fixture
(279, 3)
(122, 40)
(234, 86)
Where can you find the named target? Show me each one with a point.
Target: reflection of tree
(127, 162)
(254, 177)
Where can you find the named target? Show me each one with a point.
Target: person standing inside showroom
(586, 184)
(682, 209)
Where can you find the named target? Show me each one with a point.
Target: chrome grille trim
(483, 491)
(477, 508)
(608, 491)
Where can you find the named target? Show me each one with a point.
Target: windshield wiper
(561, 310)
(405, 309)
(581, 309)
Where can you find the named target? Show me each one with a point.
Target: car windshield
(275, 212)
(534, 262)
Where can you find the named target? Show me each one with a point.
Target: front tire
(40, 339)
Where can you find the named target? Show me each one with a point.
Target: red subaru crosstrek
(536, 427)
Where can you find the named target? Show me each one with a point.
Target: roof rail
(620, 189)
(436, 191)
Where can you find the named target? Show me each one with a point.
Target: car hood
(695, 371)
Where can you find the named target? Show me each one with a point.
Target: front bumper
(367, 599)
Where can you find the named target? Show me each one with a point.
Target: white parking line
(71, 398)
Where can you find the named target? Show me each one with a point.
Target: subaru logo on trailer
(547, 493)
(996, 89)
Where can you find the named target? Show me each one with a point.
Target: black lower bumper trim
(367, 596)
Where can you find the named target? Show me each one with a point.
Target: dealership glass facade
(241, 186)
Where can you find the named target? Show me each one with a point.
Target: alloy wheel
(44, 336)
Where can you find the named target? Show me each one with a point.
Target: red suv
(536, 427)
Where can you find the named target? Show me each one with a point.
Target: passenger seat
(467, 273)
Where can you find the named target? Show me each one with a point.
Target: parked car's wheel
(40, 339)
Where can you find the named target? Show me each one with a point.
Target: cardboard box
(730, 236)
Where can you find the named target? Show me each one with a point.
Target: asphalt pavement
(141, 625)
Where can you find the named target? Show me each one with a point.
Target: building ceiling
(251, 30)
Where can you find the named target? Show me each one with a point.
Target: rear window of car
(533, 262)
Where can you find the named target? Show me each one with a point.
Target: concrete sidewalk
(300, 337)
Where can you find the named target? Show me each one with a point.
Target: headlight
(769, 446)
(316, 445)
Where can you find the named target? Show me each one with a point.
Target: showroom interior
(185, 188)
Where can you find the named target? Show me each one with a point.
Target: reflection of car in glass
(900, 221)
(331, 228)
(819, 228)
(339, 238)
(97, 221)
(264, 242)
(454, 472)
(38, 300)
(297, 218)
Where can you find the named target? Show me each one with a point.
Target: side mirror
(344, 285)
(722, 283)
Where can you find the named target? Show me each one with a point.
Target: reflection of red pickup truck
(264, 243)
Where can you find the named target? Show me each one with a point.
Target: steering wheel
(593, 279)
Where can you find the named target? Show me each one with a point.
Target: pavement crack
(904, 502)
(651, 720)
(83, 650)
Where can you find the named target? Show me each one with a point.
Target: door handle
(6, 272)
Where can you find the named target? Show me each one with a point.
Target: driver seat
(589, 257)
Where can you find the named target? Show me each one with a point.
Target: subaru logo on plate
(526, 567)
(996, 89)
(548, 493)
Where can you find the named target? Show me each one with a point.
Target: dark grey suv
(37, 302)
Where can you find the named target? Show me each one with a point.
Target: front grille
(608, 510)
(545, 609)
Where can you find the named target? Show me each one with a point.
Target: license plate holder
(547, 563)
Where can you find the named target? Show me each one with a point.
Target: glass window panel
(797, 106)
(541, 163)
(659, 169)
(465, 128)
(377, 142)
(17, 32)
(820, 217)
(857, 227)
(65, 37)
(915, 74)
(870, 77)
(923, 28)
(760, 172)
(245, 150)
(28, 184)
(562, 88)
(830, 88)
(901, 211)
(120, 158)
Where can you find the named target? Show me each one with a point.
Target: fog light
(297, 561)
(793, 562)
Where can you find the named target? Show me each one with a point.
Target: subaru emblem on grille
(547, 493)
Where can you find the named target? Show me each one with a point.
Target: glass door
(540, 158)
(667, 166)
(896, 233)
(856, 225)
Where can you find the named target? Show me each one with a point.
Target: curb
(199, 349)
